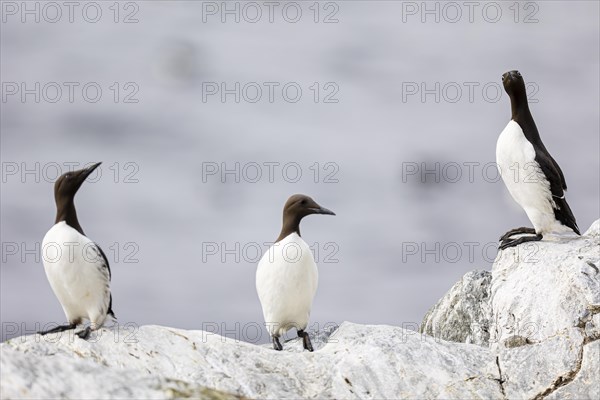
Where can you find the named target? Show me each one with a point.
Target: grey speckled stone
(463, 314)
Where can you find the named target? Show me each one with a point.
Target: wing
(555, 176)
(562, 177)
(106, 265)
(104, 259)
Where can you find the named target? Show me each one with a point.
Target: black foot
(276, 345)
(511, 243)
(305, 339)
(60, 328)
(517, 231)
(84, 334)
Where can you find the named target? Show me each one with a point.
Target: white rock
(586, 384)
(543, 299)
(32, 375)
(358, 362)
(543, 316)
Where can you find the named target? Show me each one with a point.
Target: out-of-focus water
(384, 237)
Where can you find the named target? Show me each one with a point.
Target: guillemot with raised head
(532, 176)
(287, 275)
(79, 274)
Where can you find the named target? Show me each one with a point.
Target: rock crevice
(500, 380)
(562, 380)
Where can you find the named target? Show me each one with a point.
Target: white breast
(524, 178)
(286, 282)
(76, 273)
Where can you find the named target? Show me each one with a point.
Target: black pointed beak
(322, 210)
(84, 173)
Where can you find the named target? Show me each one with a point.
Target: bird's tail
(110, 310)
(563, 213)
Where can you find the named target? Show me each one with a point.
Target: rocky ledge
(527, 330)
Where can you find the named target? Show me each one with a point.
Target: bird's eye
(67, 176)
(303, 202)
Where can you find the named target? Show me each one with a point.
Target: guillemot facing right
(531, 175)
(80, 274)
(287, 276)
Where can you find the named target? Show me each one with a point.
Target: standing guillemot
(80, 276)
(531, 175)
(287, 276)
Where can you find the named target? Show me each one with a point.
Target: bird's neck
(522, 115)
(290, 225)
(519, 107)
(65, 211)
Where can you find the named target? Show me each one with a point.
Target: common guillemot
(80, 274)
(531, 175)
(287, 276)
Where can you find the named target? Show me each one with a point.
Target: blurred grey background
(374, 53)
